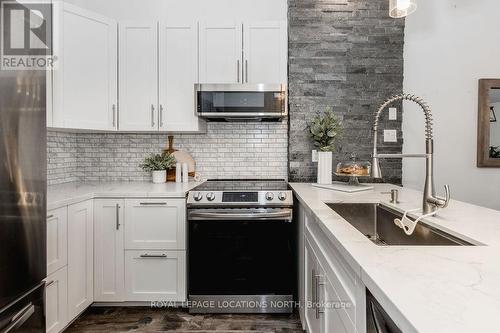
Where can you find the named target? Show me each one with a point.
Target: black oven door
(241, 252)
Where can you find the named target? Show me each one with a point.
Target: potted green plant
(325, 129)
(158, 164)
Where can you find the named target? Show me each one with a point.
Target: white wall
(187, 9)
(449, 45)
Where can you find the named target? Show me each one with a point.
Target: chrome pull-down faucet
(430, 201)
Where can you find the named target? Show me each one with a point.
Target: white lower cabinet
(155, 224)
(114, 250)
(80, 257)
(56, 301)
(312, 317)
(57, 239)
(155, 275)
(332, 296)
(109, 281)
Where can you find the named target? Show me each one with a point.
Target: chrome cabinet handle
(246, 71)
(238, 70)
(114, 115)
(152, 203)
(313, 288)
(117, 217)
(152, 115)
(319, 283)
(50, 283)
(153, 255)
(50, 216)
(161, 115)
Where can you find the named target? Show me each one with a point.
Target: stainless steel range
(240, 248)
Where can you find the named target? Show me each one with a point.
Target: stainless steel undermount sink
(377, 223)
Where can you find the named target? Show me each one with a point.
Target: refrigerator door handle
(20, 318)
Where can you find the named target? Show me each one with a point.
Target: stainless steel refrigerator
(22, 199)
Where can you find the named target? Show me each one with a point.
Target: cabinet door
(57, 239)
(80, 257)
(313, 322)
(85, 75)
(108, 250)
(333, 311)
(138, 73)
(56, 301)
(155, 275)
(155, 224)
(265, 52)
(221, 52)
(178, 74)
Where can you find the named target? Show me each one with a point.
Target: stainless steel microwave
(241, 102)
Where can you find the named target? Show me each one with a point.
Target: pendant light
(401, 8)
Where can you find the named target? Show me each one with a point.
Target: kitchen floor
(129, 319)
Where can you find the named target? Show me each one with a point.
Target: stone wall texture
(347, 55)
(227, 150)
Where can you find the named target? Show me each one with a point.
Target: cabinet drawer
(56, 301)
(152, 224)
(57, 239)
(155, 275)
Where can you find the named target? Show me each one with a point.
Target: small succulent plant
(158, 162)
(325, 129)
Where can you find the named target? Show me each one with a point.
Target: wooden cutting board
(181, 157)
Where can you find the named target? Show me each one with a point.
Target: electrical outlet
(390, 136)
(314, 156)
(393, 114)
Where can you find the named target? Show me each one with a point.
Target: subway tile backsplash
(227, 150)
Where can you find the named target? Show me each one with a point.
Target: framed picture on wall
(493, 116)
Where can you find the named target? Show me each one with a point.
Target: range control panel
(240, 198)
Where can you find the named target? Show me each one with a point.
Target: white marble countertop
(424, 288)
(70, 193)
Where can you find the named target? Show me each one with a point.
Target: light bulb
(403, 4)
(401, 8)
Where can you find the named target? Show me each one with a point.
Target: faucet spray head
(376, 170)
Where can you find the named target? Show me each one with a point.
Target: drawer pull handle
(319, 282)
(117, 217)
(153, 203)
(153, 255)
(50, 216)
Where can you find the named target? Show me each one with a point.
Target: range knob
(269, 196)
(197, 196)
(210, 196)
(282, 196)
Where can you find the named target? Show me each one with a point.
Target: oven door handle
(281, 215)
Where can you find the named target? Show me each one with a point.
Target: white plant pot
(325, 164)
(159, 176)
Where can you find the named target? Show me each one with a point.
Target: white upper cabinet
(138, 75)
(221, 52)
(84, 79)
(265, 52)
(250, 52)
(178, 69)
(108, 250)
